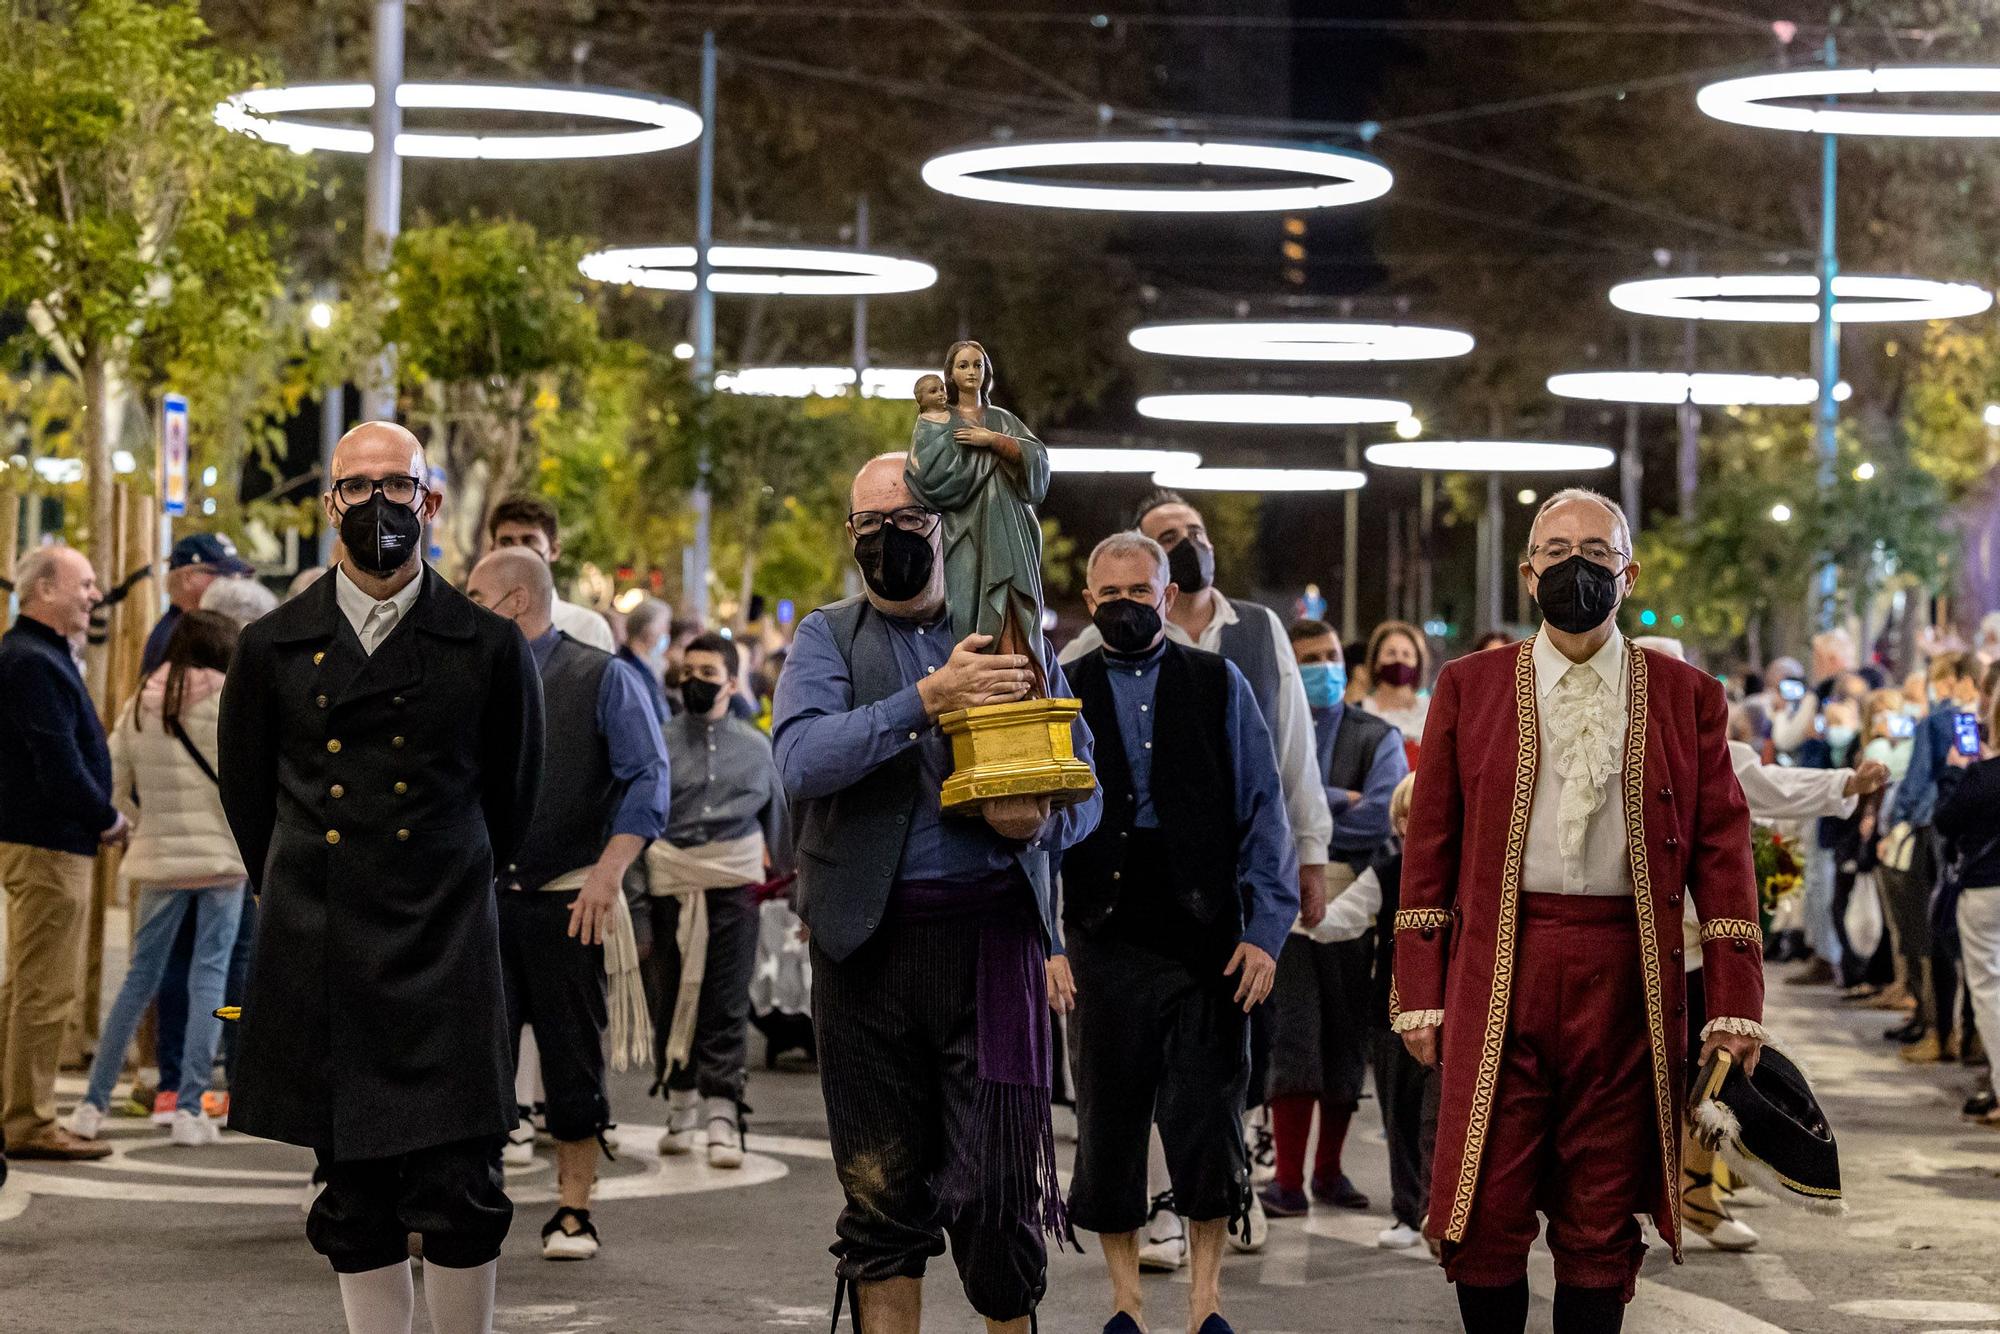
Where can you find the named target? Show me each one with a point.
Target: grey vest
(579, 794)
(1249, 645)
(850, 843)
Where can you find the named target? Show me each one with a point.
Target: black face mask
(1128, 627)
(1192, 565)
(380, 537)
(1578, 595)
(896, 565)
(699, 695)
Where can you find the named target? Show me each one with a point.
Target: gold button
(333, 836)
(402, 788)
(402, 836)
(318, 658)
(337, 791)
(321, 701)
(396, 741)
(397, 701)
(333, 746)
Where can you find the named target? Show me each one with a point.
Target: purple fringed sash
(1006, 1166)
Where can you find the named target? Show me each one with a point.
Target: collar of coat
(315, 614)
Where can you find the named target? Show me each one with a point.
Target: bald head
(378, 449)
(880, 485)
(514, 582)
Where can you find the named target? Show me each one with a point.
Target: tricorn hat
(1769, 1127)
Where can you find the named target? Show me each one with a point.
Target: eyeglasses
(399, 490)
(1598, 553)
(910, 519)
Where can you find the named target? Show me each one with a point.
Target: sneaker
(1282, 1203)
(569, 1235)
(56, 1144)
(215, 1105)
(1731, 1235)
(725, 1133)
(192, 1130)
(1341, 1194)
(519, 1150)
(87, 1121)
(165, 1104)
(1263, 1148)
(1255, 1232)
(1164, 1250)
(683, 1119)
(1401, 1237)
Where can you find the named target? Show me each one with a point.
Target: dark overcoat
(371, 797)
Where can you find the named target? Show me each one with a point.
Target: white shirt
(583, 625)
(372, 620)
(1604, 867)
(1781, 792)
(1291, 730)
(1410, 721)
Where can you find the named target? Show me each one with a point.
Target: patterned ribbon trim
(1732, 928)
(1416, 919)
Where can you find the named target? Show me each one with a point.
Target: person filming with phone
(1968, 792)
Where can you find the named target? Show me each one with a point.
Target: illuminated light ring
(799, 271)
(667, 123)
(1858, 298)
(971, 173)
(1749, 101)
(1260, 479)
(1708, 389)
(1490, 456)
(1272, 409)
(1300, 340)
(820, 381)
(1075, 458)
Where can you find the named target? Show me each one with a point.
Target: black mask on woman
(699, 695)
(1128, 627)
(1191, 565)
(380, 536)
(896, 565)
(1577, 595)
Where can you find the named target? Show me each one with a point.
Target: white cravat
(381, 619)
(371, 620)
(1583, 740)
(1577, 841)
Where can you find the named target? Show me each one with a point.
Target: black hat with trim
(1770, 1128)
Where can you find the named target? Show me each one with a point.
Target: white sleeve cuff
(1410, 1019)
(1742, 1028)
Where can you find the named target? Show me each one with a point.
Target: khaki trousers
(48, 906)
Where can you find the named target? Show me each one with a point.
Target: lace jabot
(1584, 722)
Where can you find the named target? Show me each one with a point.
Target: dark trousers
(1320, 1010)
(1908, 898)
(898, 1064)
(1154, 1041)
(1878, 968)
(1402, 1087)
(720, 1055)
(558, 986)
(452, 1194)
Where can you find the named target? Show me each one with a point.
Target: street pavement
(167, 1238)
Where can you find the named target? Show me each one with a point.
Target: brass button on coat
(319, 658)
(337, 791)
(333, 746)
(402, 788)
(396, 741)
(333, 836)
(321, 701)
(402, 836)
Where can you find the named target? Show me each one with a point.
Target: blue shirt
(1267, 862)
(650, 687)
(824, 744)
(1360, 828)
(631, 739)
(1916, 797)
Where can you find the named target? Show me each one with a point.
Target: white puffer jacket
(180, 838)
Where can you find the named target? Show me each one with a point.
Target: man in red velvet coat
(1571, 789)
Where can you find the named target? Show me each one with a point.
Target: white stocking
(460, 1300)
(380, 1301)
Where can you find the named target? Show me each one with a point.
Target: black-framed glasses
(910, 519)
(400, 489)
(1594, 551)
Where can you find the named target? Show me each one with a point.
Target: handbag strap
(194, 752)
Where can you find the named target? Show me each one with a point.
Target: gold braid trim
(1487, 1081)
(1732, 928)
(1416, 919)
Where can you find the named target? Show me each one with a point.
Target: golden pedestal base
(1021, 749)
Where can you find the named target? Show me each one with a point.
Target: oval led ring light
(1754, 101)
(1260, 479)
(1075, 458)
(1003, 174)
(262, 113)
(760, 270)
(1708, 389)
(1490, 456)
(1300, 340)
(1793, 298)
(820, 381)
(1272, 409)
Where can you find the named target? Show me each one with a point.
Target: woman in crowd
(182, 860)
(1968, 794)
(1398, 661)
(1885, 739)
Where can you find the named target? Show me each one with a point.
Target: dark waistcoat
(1249, 645)
(1193, 792)
(1345, 759)
(579, 795)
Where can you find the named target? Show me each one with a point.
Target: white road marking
(1900, 1308)
(1775, 1278)
(1284, 1260)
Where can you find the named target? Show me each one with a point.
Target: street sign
(174, 454)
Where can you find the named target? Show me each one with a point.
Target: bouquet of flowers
(1779, 870)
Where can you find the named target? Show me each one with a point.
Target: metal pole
(704, 327)
(385, 187)
(1350, 547)
(1495, 545)
(1632, 468)
(1426, 515)
(860, 302)
(332, 422)
(1688, 417)
(1826, 412)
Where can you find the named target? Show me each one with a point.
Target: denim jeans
(161, 912)
(1820, 872)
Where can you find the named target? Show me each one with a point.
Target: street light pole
(1826, 412)
(1632, 468)
(385, 187)
(1350, 545)
(704, 332)
(860, 302)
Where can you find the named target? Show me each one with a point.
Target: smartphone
(1965, 734)
(1902, 725)
(1792, 690)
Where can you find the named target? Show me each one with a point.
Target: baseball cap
(209, 549)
